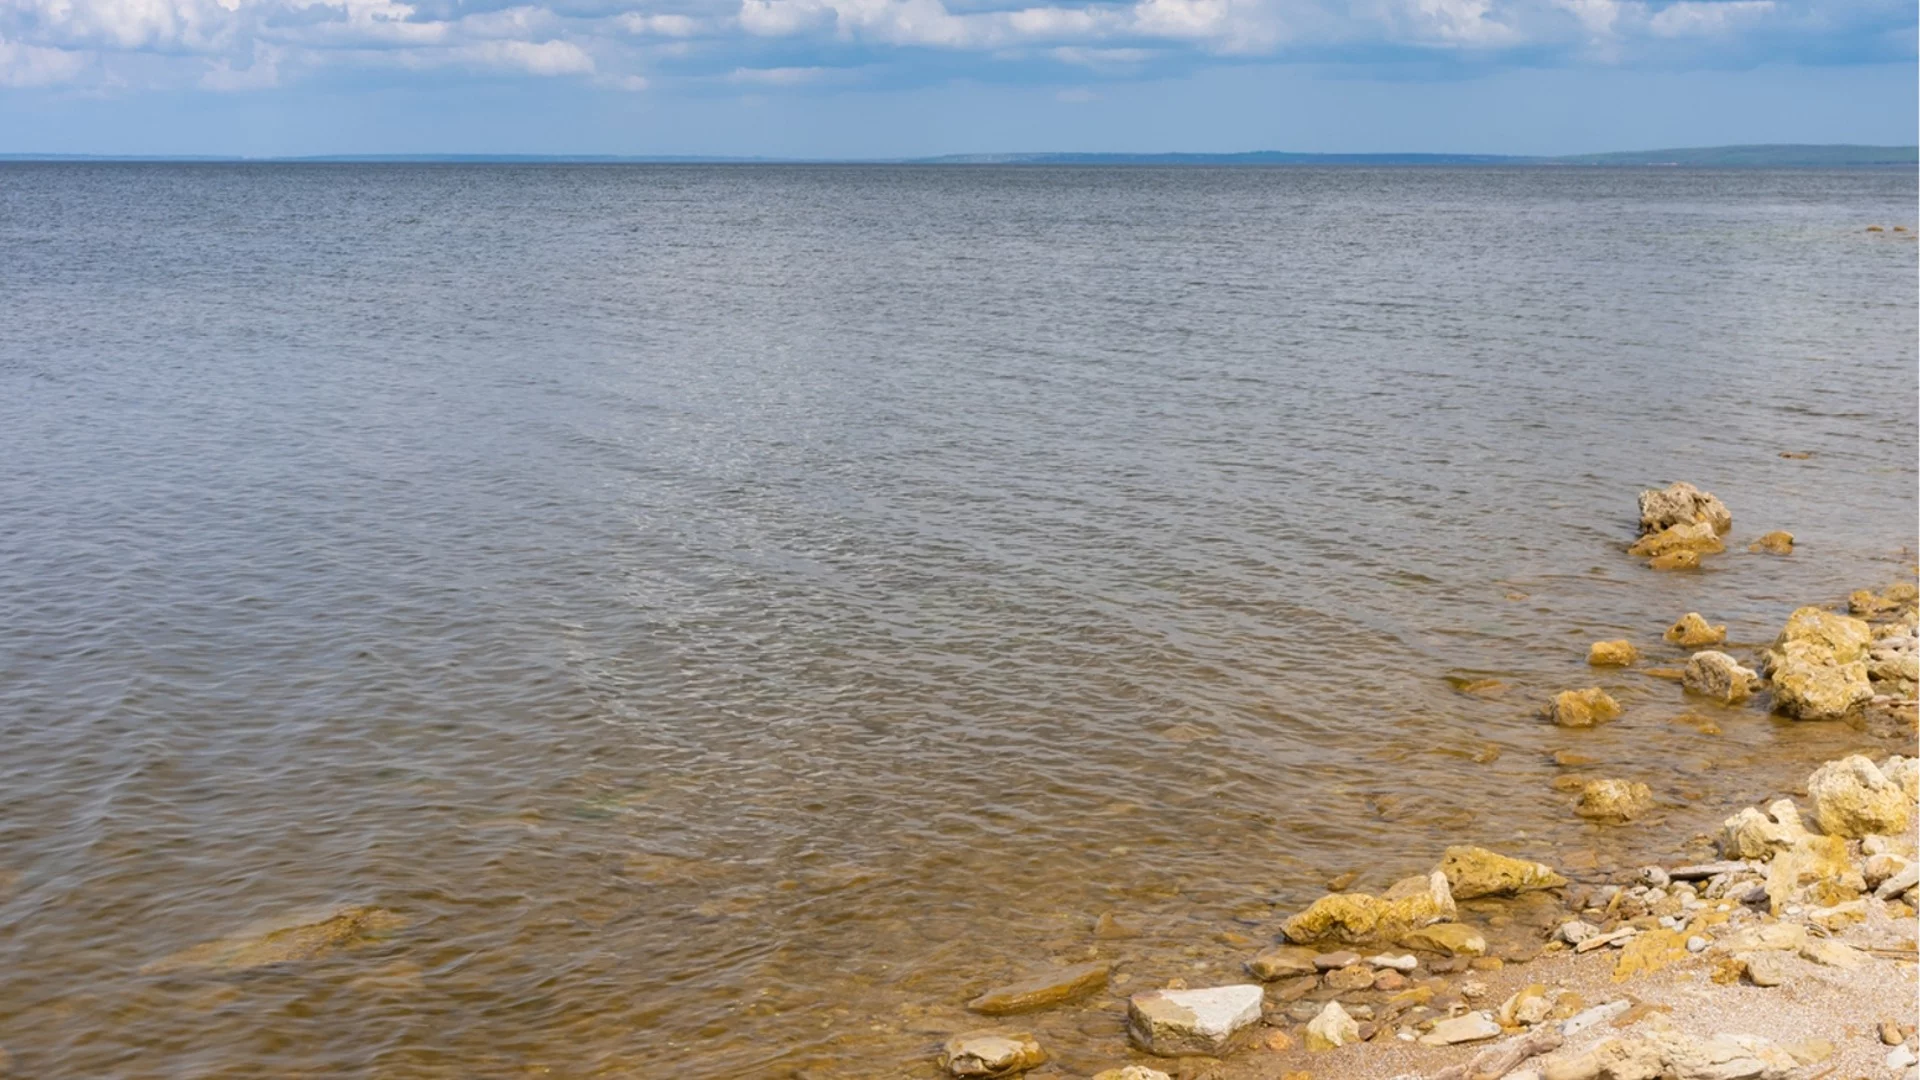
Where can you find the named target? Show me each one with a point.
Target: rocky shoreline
(1785, 951)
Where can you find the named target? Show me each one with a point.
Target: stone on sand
(1175, 1022)
(1472, 1027)
(1332, 1028)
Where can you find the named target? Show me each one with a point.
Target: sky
(907, 78)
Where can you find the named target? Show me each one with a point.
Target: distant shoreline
(1720, 157)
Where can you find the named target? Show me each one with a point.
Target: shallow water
(736, 614)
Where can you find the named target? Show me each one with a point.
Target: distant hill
(1765, 156)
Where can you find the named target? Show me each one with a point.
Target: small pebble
(1890, 1033)
(1696, 943)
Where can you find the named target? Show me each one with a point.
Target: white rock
(1132, 1072)
(1332, 1028)
(1174, 1022)
(1901, 1057)
(1599, 1014)
(1461, 1029)
(1575, 932)
(1852, 797)
(1397, 963)
(1899, 883)
(1696, 943)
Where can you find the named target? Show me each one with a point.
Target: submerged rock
(1853, 798)
(303, 936)
(1474, 872)
(1777, 542)
(1692, 631)
(1357, 917)
(991, 1054)
(1698, 538)
(1612, 653)
(1613, 801)
(1043, 990)
(1582, 708)
(1681, 503)
(1720, 677)
(1175, 1022)
(1676, 560)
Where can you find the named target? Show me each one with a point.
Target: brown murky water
(724, 618)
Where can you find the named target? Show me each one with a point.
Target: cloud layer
(786, 46)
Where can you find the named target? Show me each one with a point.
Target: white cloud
(1692, 18)
(780, 76)
(262, 73)
(33, 65)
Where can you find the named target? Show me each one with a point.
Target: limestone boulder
(989, 1055)
(1807, 687)
(1582, 708)
(1753, 834)
(1853, 798)
(1867, 602)
(1842, 639)
(1904, 771)
(1613, 801)
(1698, 538)
(1682, 504)
(1721, 1057)
(1171, 1023)
(1474, 872)
(1720, 677)
(1043, 990)
(1356, 917)
(1619, 653)
(1815, 870)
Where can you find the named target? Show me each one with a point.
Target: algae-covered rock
(1448, 939)
(1853, 798)
(1808, 687)
(989, 1055)
(1582, 708)
(1175, 1022)
(1720, 677)
(1698, 538)
(1682, 504)
(303, 936)
(1357, 917)
(1473, 872)
(1043, 990)
(1612, 653)
(1692, 631)
(1613, 801)
(1675, 560)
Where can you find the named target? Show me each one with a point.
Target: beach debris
(1720, 677)
(1043, 990)
(1332, 1028)
(1613, 801)
(1853, 798)
(1502, 1059)
(1681, 503)
(1170, 1023)
(1693, 631)
(1474, 872)
(990, 1055)
(1357, 917)
(1582, 708)
(1777, 542)
(306, 935)
(1620, 653)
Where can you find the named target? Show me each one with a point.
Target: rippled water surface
(733, 615)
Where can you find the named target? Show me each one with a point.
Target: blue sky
(862, 78)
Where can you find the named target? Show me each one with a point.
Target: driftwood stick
(1496, 1062)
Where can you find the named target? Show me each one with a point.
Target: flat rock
(1175, 1022)
(991, 1054)
(1448, 939)
(1474, 872)
(1282, 962)
(1764, 968)
(1461, 1029)
(1328, 961)
(1043, 990)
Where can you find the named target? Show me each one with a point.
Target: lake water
(735, 614)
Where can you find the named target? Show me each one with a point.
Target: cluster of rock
(1680, 523)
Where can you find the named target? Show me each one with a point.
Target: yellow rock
(1356, 917)
(1809, 687)
(1676, 560)
(1693, 631)
(1613, 801)
(1612, 653)
(1842, 639)
(1043, 990)
(1450, 939)
(1582, 708)
(1473, 872)
(1852, 797)
(1777, 542)
(1816, 868)
(1698, 538)
(1648, 951)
